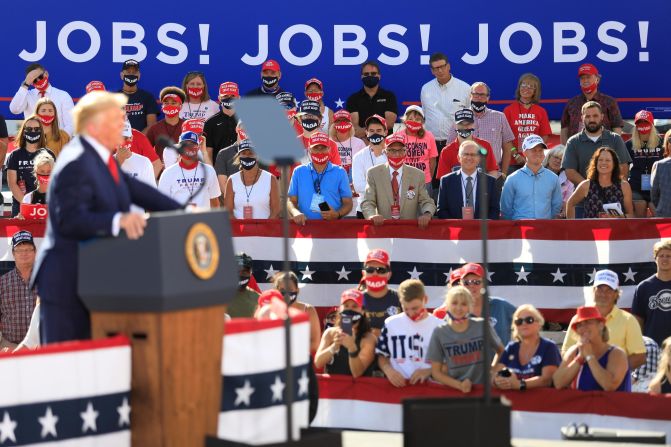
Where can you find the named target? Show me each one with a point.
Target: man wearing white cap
(623, 329)
(532, 192)
(133, 164)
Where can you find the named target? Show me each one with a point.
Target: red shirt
(448, 157)
(334, 154)
(163, 128)
(142, 146)
(525, 122)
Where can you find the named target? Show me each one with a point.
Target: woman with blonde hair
(55, 137)
(661, 383)
(529, 360)
(660, 193)
(342, 132)
(645, 148)
(198, 104)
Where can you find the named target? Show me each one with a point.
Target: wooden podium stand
(166, 292)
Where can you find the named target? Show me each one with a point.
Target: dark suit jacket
(451, 199)
(82, 199)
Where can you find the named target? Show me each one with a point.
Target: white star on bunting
(414, 274)
(89, 418)
(343, 274)
(592, 275)
(339, 103)
(244, 394)
(307, 273)
(303, 383)
(48, 423)
(558, 276)
(124, 413)
(277, 388)
(270, 272)
(447, 275)
(7, 427)
(629, 275)
(522, 275)
(489, 276)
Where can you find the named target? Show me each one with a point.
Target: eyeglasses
(31, 129)
(470, 154)
(472, 282)
(439, 67)
(39, 78)
(380, 270)
(527, 320)
(529, 86)
(479, 95)
(371, 73)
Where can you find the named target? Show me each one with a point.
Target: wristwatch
(523, 385)
(26, 85)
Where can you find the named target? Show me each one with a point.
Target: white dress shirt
(441, 101)
(24, 101)
(463, 176)
(361, 163)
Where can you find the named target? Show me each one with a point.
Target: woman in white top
(198, 104)
(342, 132)
(251, 193)
(314, 90)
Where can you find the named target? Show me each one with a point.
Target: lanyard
(193, 180)
(318, 181)
(252, 188)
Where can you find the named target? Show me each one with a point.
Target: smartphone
(346, 324)
(324, 206)
(505, 372)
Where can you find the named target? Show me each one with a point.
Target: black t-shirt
(652, 302)
(642, 162)
(379, 309)
(259, 91)
(21, 161)
(3, 127)
(382, 101)
(38, 198)
(140, 104)
(219, 132)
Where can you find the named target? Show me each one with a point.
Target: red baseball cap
(95, 85)
(319, 138)
(193, 125)
(342, 114)
(644, 115)
(313, 81)
(376, 117)
(229, 89)
(397, 137)
(473, 268)
(587, 69)
(585, 313)
(352, 294)
(270, 64)
(378, 255)
(267, 297)
(455, 275)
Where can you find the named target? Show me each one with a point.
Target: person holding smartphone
(349, 346)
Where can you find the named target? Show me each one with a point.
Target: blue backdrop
(492, 41)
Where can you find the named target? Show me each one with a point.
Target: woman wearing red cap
(645, 148)
(348, 347)
(342, 132)
(314, 90)
(593, 364)
(661, 179)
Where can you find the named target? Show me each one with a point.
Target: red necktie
(394, 185)
(42, 93)
(113, 168)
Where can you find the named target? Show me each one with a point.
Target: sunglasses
(380, 270)
(39, 78)
(527, 320)
(472, 282)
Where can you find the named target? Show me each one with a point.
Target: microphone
(179, 148)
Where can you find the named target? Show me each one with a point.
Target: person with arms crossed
(220, 128)
(371, 100)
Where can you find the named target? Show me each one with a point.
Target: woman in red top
(526, 117)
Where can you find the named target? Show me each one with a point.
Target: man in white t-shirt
(182, 180)
(404, 341)
(133, 164)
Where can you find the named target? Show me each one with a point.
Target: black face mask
(33, 136)
(130, 80)
(270, 81)
(376, 138)
(370, 81)
(356, 316)
(227, 103)
(478, 106)
(465, 133)
(242, 282)
(247, 162)
(309, 124)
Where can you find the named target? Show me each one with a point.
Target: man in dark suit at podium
(458, 193)
(89, 197)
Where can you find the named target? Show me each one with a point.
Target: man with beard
(141, 109)
(581, 147)
(379, 301)
(243, 304)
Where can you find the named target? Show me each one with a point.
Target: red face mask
(418, 316)
(644, 128)
(590, 89)
(375, 283)
(170, 110)
(396, 162)
(343, 126)
(195, 92)
(291, 114)
(319, 159)
(46, 119)
(127, 145)
(43, 179)
(317, 96)
(413, 126)
(43, 84)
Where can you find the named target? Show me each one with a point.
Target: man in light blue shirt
(532, 192)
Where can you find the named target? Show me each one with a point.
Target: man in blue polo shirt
(319, 189)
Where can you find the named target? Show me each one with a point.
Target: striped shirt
(492, 126)
(440, 102)
(17, 301)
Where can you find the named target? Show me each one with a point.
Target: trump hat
(353, 295)
(22, 237)
(229, 89)
(587, 69)
(644, 115)
(607, 277)
(319, 139)
(532, 141)
(270, 64)
(378, 255)
(473, 268)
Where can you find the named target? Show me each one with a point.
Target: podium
(166, 292)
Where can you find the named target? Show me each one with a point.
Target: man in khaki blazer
(412, 200)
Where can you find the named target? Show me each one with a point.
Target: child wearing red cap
(380, 301)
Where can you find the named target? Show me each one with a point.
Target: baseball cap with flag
(270, 64)
(378, 255)
(95, 85)
(644, 115)
(191, 137)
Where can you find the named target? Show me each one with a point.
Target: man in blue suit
(458, 196)
(89, 196)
